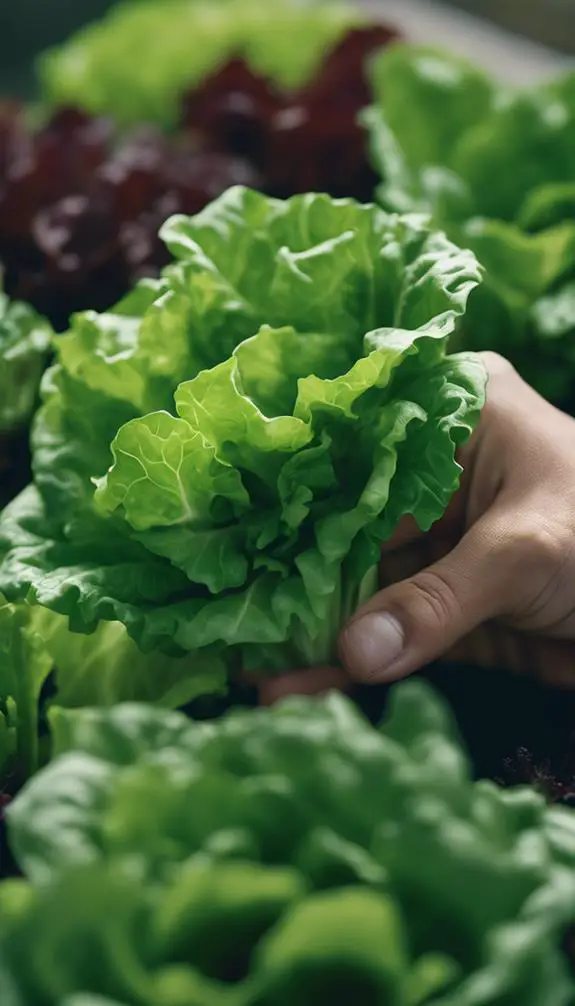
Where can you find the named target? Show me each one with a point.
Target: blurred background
(28, 26)
(551, 22)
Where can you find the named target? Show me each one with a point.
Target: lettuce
(107, 667)
(283, 855)
(24, 343)
(101, 669)
(218, 460)
(496, 168)
(184, 40)
(24, 667)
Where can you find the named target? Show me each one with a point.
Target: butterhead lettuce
(496, 168)
(219, 459)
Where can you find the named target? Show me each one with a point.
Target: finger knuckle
(435, 597)
(534, 552)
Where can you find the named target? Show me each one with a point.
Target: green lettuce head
(279, 856)
(218, 461)
(182, 42)
(496, 169)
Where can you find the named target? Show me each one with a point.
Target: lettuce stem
(321, 650)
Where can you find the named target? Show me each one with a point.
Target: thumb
(412, 623)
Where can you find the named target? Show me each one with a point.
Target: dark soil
(569, 948)
(14, 465)
(516, 730)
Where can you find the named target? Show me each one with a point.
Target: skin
(493, 582)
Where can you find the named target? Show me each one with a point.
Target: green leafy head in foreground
(496, 168)
(291, 855)
(183, 41)
(218, 460)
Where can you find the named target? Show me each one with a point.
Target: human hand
(502, 559)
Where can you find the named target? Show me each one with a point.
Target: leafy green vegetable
(107, 667)
(283, 855)
(218, 460)
(24, 666)
(24, 342)
(184, 40)
(496, 168)
(100, 669)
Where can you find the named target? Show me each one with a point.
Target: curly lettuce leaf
(525, 303)
(185, 40)
(438, 113)
(526, 143)
(271, 855)
(232, 492)
(25, 339)
(495, 168)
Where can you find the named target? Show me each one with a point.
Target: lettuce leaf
(204, 922)
(107, 667)
(184, 41)
(495, 167)
(24, 343)
(24, 667)
(448, 117)
(101, 669)
(229, 494)
(292, 854)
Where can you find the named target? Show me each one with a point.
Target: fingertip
(372, 646)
